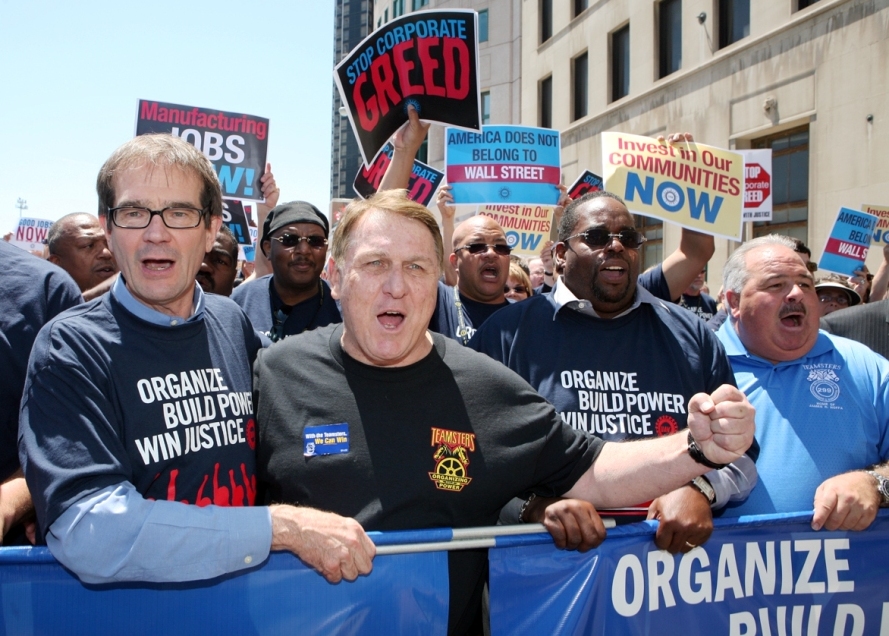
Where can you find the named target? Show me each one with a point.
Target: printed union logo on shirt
(330, 439)
(451, 458)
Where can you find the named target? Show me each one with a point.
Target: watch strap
(882, 487)
(698, 455)
(703, 486)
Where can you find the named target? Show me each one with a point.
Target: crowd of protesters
(388, 329)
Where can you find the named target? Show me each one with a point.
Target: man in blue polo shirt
(822, 401)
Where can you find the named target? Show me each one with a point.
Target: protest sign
(30, 234)
(881, 234)
(422, 185)
(527, 227)
(337, 209)
(693, 185)
(848, 242)
(235, 143)
(426, 59)
(757, 184)
(586, 182)
(504, 164)
(235, 218)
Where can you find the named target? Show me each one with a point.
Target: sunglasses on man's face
(500, 249)
(518, 289)
(597, 238)
(289, 241)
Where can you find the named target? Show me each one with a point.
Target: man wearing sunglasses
(141, 401)
(294, 298)
(481, 259)
(617, 362)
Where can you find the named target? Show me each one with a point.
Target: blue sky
(72, 73)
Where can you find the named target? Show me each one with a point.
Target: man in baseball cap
(292, 299)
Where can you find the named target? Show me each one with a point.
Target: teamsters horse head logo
(451, 459)
(824, 384)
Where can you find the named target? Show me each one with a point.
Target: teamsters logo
(824, 384)
(451, 458)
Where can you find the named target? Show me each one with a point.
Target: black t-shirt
(703, 306)
(261, 303)
(111, 398)
(31, 292)
(444, 442)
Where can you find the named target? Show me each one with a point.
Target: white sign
(757, 185)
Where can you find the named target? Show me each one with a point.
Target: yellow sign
(881, 235)
(696, 186)
(527, 227)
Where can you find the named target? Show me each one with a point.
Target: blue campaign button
(330, 439)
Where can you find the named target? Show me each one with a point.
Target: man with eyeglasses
(293, 298)
(481, 259)
(140, 402)
(619, 363)
(220, 265)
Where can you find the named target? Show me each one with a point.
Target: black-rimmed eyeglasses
(290, 241)
(597, 238)
(175, 218)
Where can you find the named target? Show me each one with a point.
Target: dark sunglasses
(597, 238)
(518, 289)
(500, 249)
(292, 240)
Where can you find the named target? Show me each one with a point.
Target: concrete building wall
(825, 66)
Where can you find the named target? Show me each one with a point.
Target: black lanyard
(463, 328)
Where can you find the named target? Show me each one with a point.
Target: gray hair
(735, 273)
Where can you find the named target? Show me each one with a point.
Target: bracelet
(698, 455)
(525, 507)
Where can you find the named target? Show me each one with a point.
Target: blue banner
(405, 594)
(766, 575)
(503, 164)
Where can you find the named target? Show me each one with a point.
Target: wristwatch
(698, 455)
(702, 485)
(882, 487)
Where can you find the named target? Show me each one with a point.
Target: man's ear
(213, 230)
(265, 247)
(452, 259)
(733, 303)
(52, 258)
(333, 279)
(105, 224)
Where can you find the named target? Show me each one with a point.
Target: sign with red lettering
(422, 185)
(757, 185)
(426, 59)
(587, 182)
(235, 143)
(31, 234)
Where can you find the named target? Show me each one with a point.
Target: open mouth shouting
(792, 315)
(390, 319)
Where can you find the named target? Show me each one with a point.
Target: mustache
(792, 308)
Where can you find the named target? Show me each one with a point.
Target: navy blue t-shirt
(111, 398)
(261, 302)
(621, 378)
(703, 306)
(31, 292)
